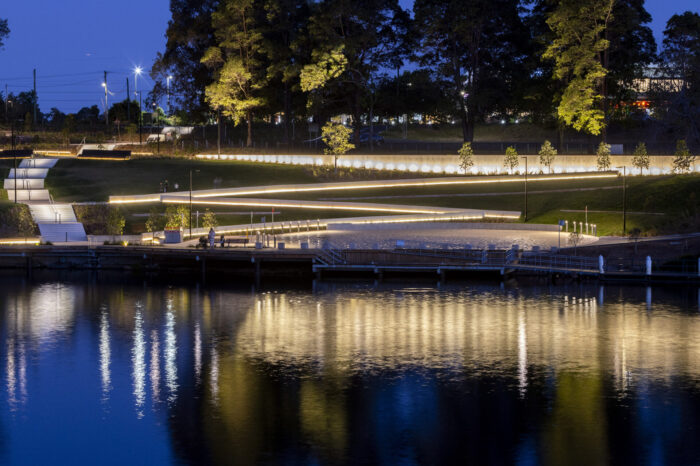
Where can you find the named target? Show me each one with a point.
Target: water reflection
(361, 374)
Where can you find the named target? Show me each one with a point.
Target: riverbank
(261, 264)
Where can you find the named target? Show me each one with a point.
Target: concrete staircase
(52, 213)
(23, 183)
(62, 232)
(57, 222)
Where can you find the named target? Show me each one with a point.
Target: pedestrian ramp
(62, 232)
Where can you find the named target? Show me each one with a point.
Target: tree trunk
(464, 122)
(249, 117)
(287, 112)
(371, 127)
(357, 118)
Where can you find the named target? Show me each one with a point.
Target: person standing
(212, 238)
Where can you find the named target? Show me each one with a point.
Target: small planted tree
(115, 222)
(641, 157)
(466, 156)
(603, 161)
(547, 155)
(177, 217)
(575, 238)
(336, 137)
(209, 219)
(511, 159)
(683, 163)
(155, 222)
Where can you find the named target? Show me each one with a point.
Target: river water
(112, 372)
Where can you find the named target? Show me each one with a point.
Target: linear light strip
(312, 205)
(145, 198)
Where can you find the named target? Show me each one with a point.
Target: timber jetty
(260, 264)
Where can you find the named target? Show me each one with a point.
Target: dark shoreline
(302, 266)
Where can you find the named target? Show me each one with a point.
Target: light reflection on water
(350, 374)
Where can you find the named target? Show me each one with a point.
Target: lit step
(28, 195)
(22, 183)
(52, 213)
(38, 163)
(62, 232)
(29, 173)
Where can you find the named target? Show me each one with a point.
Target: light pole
(140, 119)
(191, 200)
(624, 199)
(525, 157)
(137, 72)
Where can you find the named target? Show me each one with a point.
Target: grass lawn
(95, 180)
(674, 196)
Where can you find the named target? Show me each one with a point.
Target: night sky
(71, 43)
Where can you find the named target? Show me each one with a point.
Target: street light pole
(140, 119)
(191, 202)
(624, 199)
(525, 157)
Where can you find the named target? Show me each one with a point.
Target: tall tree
(370, 35)
(238, 61)
(681, 63)
(578, 50)
(681, 53)
(632, 48)
(4, 32)
(285, 32)
(476, 48)
(189, 35)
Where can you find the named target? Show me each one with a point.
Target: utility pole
(128, 102)
(106, 103)
(34, 97)
(7, 120)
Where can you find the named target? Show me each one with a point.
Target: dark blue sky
(71, 42)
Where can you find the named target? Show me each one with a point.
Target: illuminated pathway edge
(356, 185)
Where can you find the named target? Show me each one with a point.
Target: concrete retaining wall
(483, 164)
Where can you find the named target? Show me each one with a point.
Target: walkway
(56, 221)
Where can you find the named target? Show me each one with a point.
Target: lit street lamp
(137, 72)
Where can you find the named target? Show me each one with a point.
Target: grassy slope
(95, 180)
(78, 180)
